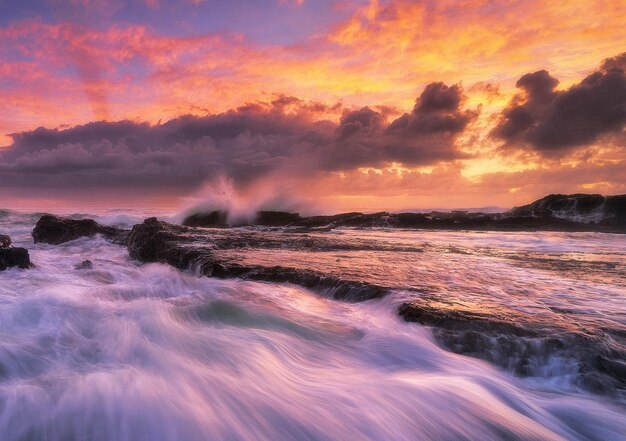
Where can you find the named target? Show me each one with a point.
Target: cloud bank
(352, 153)
(285, 136)
(552, 121)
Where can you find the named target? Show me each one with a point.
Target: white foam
(128, 352)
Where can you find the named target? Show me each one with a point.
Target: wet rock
(276, 218)
(595, 209)
(408, 220)
(520, 345)
(5, 241)
(338, 289)
(14, 257)
(57, 230)
(457, 319)
(321, 221)
(562, 203)
(615, 210)
(185, 248)
(210, 219)
(580, 212)
(85, 264)
(615, 368)
(156, 241)
(356, 219)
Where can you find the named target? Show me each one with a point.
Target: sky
(341, 104)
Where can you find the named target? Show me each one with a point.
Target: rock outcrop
(210, 219)
(5, 241)
(11, 257)
(57, 230)
(578, 212)
(185, 248)
(520, 344)
(593, 209)
(276, 218)
(459, 220)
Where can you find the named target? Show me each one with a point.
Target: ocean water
(144, 352)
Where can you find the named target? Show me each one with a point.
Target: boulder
(156, 241)
(5, 241)
(85, 264)
(57, 230)
(14, 257)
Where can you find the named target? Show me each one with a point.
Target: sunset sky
(352, 105)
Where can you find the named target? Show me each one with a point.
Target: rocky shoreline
(517, 343)
(575, 213)
(179, 246)
(522, 347)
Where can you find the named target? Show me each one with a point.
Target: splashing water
(241, 206)
(131, 352)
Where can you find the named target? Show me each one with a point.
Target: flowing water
(132, 352)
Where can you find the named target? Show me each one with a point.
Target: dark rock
(14, 257)
(579, 208)
(578, 212)
(615, 368)
(184, 248)
(320, 221)
(582, 203)
(406, 220)
(211, 219)
(5, 241)
(276, 218)
(518, 344)
(615, 209)
(85, 264)
(154, 240)
(57, 230)
(334, 220)
(380, 219)
(457, 319)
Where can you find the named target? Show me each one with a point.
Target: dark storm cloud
(617, 62)
(436, 112)
(424, 136)
(249, 142)
(552, 121)
(437, 97)
(354, 121)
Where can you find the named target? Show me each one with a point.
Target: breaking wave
(240, 206)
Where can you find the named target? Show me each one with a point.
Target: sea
(131, 351)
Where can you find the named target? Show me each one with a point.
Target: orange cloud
(384, 54)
